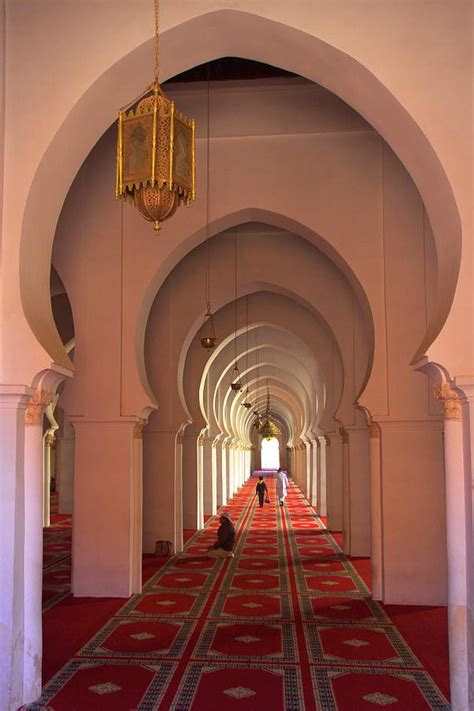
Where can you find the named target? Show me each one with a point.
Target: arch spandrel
(259, 38)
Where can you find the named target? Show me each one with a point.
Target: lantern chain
(157, 42)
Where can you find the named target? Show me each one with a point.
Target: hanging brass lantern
(247, 403)
(155, 151)
(268, 429)
(155, 157)
(236, 385)
(209, 340)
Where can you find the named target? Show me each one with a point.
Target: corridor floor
(288, 623)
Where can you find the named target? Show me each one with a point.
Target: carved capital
(451, 404)
(138, 428)
(36, 406)
(344, 435)
(49, 439)
(328, 440)
(374, 431)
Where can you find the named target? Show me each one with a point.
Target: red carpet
(288, 623)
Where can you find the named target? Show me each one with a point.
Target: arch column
(314, 472)
(458, 481)
(346, 498)
(33, 562)
(376, 527)
(334, 477)
(412, 464)
(162, 487)
(48, 442)
(193, 472)
(322, 477)
(308, 469)
(107, 508)
(13, 693)
(65, 465)
(356, 491)
(209, 476)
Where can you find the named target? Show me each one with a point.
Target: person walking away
(261, 490)
(222, 548)
(281, 485)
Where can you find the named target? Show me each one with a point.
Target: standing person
(222, 548)
(281, 485)
(261, 490)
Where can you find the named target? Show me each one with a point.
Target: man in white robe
(281, 485)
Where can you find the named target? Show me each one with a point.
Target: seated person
(222, 548)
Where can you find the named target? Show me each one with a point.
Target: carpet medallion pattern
(287, 624)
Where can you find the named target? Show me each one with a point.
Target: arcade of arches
(346, 190)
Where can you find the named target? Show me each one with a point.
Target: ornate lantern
(208, 340)
(236, 385)
(268, 428)
(155, 152)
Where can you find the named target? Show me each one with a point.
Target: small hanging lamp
(209, 340)
(268, 428)
(155, 151)
(236, 385)
(247, 402)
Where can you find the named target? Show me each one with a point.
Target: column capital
(36, 406)
(138, 428)
(344, 435)
(374, 430)
(450, 400)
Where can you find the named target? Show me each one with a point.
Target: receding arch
(223, 33)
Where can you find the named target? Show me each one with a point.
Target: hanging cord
(247, 342)
(208, 208)
(257, 364)
(235, 296)
(157, 42)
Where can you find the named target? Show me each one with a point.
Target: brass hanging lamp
(208, 339)
(156, 161)
(268, 428)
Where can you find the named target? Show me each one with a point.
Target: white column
(137, 507)
(192, 477)
(33, 551)
(105, 508)
(307, 468)
(65, 455)
(358, 491)
(346, 496)
(209, 477)
(217, 471)
(48, 441)
(376, 537)
(13, 400)
(46, 444)
(322, 477)
(334, 488)
(224, 473)
(458, 481)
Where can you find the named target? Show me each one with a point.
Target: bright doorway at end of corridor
(270, 453)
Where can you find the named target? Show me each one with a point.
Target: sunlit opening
(270, 453)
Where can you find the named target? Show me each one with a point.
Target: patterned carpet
(288, 623)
